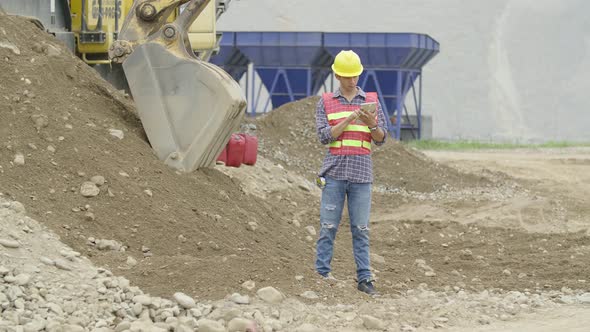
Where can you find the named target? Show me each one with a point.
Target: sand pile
(288, 135)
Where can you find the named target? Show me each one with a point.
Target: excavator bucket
(188, 108)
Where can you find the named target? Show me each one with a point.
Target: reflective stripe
(351, 142)
(362, 128)
(339, 115)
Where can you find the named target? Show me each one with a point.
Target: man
(347, 170)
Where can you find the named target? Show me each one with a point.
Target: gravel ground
(47, 286)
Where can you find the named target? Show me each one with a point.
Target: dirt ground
(515, 220)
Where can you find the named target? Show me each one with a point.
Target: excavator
(188, 107)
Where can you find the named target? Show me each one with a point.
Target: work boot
(366, 286)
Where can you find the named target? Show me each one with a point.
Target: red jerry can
(251, 149)
(223, 155)
(235, 151)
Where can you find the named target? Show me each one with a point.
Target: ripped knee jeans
(358, 199)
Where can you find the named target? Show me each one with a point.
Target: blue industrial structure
(295, 65)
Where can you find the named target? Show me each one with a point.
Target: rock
(98, 180)
(22, 279)
(240, 299)
(377, 259)
(249, 284)
(47, 261)
(17, 207)
(311, 230)
(407, 328)
(62, 265)
(34, 326)
(89, 189)
(484, 320)
(19, 159)
(131, 261)
(124, 325)
(207, 325)
(184, 300)
(309, 295)
(10, 46)
(40, 121)
(108, 245)
(252, 226)
(584, 298)
(372, 323)
(116, 133)
(9, 243)
(145, 325)
(71, 328)
(241, 325)
(270, 295)
(308, 328)
(52, 51)
(142, 299)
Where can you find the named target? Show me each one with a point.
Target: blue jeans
(358, 197)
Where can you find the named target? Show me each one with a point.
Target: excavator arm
(188, 107)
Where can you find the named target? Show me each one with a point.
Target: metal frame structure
(296, 65)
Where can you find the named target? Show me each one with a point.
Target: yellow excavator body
(96, 25)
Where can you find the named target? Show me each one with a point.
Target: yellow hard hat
(347, 64)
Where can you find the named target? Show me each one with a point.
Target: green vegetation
(475, 145)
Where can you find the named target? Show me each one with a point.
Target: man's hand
(367, 118)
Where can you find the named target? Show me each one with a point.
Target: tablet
(371, 107)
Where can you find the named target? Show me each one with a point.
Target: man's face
(348, 83)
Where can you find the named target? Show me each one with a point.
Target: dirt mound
(62, 125)
(288, 135)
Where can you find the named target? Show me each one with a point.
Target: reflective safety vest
(356, 138)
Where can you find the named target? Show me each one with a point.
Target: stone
(207, 325)
(309, 295)
(372, 323)
(142, 299)
(117, 133)
(184, 300)
(249, 284)
(131, 261)
(9, 243)
(241, 325)
(270, 295)
(13, 48)
(19, 159)
(377, 259)
(240, 299)
(98, 180)
(22, 279)
(89, 189)
(584, 298)
(17, 207)
(308, 328)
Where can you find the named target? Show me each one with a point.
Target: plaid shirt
(354, 168)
